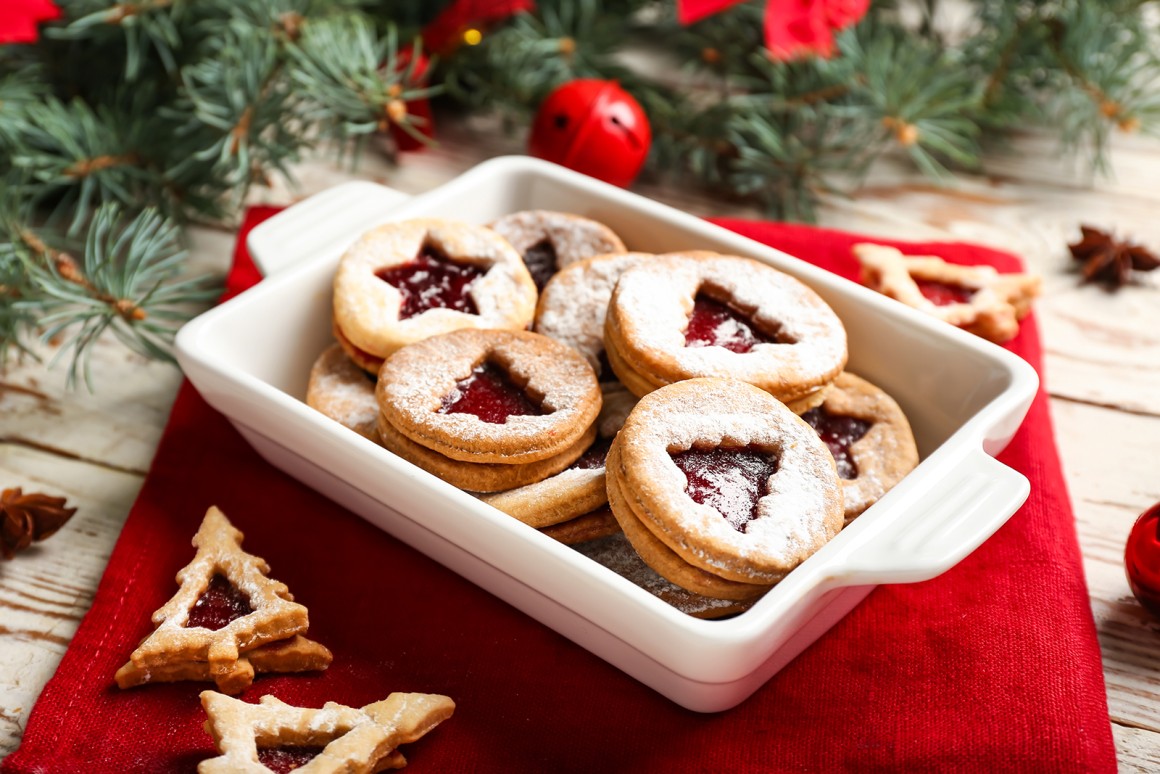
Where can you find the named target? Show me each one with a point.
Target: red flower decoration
(793, 28)
(19, 19)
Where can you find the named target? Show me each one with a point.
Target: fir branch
(124, 284)
(514, 68)
(349, 85)
(74, 158)
(1111, 69)
(919, 96)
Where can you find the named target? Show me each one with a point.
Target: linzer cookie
(573, 306)
(570, 506)
(501, 399)
(975, 298)
(406, 281)
(700, 314)
(734, 487)
(344, 392)
(334, 739)
(480, 476)
(226, 607)
(870, 438)
(550, 241)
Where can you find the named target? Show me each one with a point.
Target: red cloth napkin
(993, 666)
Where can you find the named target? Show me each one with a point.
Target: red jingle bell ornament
(594, 127)
(1142, 559)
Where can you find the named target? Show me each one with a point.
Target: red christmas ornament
(19, 19)
(1142, 559)
(594, 127)
(793, 28)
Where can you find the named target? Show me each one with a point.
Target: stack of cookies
(227, 621)
(488, 410)
(749, 448)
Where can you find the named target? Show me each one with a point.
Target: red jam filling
(839, 433)
(219, 604)
(714, 324)
(490, 395)
(433, 281)
(730, 481)
(595, 456)
(283, 759)
(540, 259)
(943, 293)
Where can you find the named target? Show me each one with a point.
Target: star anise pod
(28, 517)
(1108, 259)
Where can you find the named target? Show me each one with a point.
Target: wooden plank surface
(1102, 371)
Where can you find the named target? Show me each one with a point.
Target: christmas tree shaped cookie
(274, 736)
(975, 298)
(226, 622)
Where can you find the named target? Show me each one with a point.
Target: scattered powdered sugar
(653, 300)
(573, 305)
(573, 238)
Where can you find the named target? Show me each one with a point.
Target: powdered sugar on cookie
(573, 305)
(801, 507)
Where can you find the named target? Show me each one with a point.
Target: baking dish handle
(941, 526)
(303, 229)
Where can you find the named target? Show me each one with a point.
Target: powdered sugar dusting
(885, 454)
(366, 308)
(573, 305)
(803, 505)
(653, 300)
(414, 381)
(572, 237)
(342, 391)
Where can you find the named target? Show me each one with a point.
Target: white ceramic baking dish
(250, 358)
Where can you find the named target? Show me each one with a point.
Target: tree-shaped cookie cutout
(274, 736)
(975, 298)
(226, 606)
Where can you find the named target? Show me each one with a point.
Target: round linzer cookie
(488, 410)
(728, 481)
(870, 438)
(573, 305)
(480, 476)
(563, 500)
(550, 241)
(344, 392)
(406, 281)
(700, 314)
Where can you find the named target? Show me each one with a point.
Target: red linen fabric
(993, 666)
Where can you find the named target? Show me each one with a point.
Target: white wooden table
(1102, 371)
